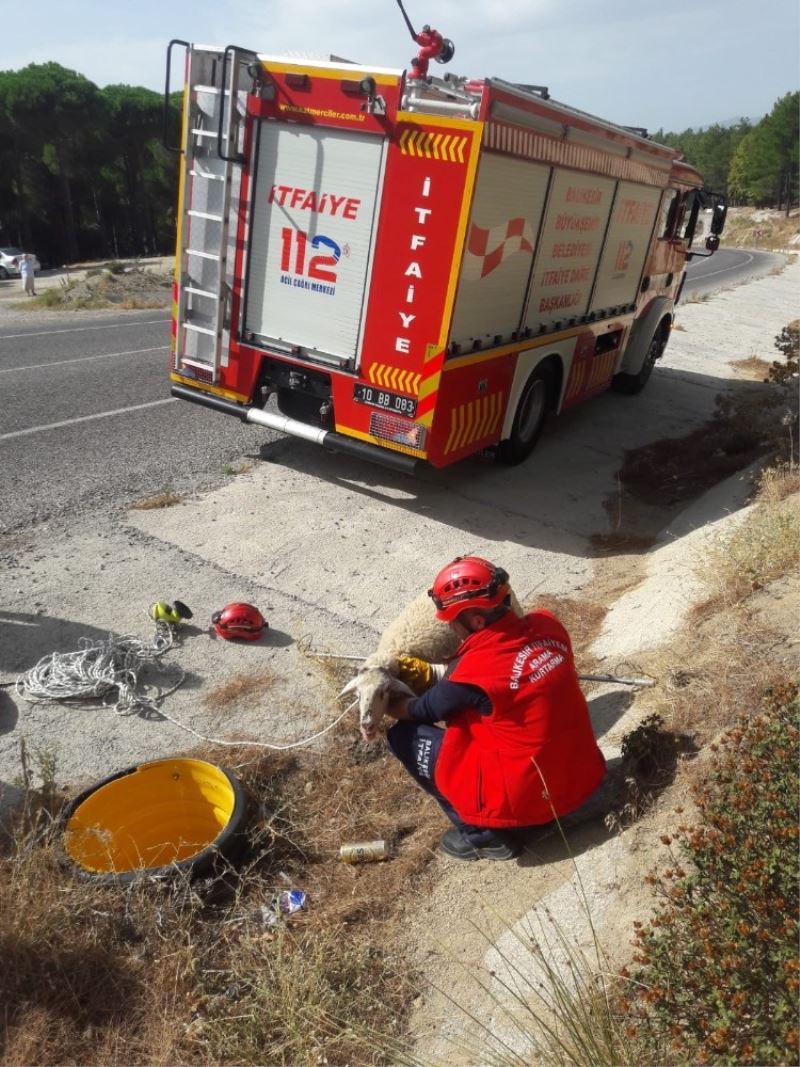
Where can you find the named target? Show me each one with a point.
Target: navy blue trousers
(417, 746)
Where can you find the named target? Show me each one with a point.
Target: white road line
(724, 270)
(86, 418)
(83, 359)
(80, 329)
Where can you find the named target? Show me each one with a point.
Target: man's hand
(418, 674)
(398, 707)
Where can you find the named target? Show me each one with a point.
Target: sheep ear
(350, 687)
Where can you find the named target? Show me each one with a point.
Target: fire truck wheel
(529, 418)
(630, 384)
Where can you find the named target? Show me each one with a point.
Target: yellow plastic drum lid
(170, 813)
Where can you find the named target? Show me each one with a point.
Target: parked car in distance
(9, 267)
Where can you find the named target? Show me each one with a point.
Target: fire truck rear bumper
(329, 439)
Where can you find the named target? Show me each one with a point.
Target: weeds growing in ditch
(765, 546)
(717, 968)
(191, 972)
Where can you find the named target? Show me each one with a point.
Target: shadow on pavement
(608, 708)
(9, 713)
(555, 499)
(580, 831)
(25, 638)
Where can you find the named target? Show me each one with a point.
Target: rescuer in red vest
(517, 748)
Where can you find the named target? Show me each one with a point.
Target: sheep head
(374, 686)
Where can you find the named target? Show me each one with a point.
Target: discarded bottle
(364, 852)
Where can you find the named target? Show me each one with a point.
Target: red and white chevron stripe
(486, 249)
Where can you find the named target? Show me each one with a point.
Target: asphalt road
(728, 267)
(86, 420)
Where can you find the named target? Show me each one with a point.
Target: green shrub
(47, 298)
(788, 344)
(717, 968)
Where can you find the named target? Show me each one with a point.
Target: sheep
(415, 632)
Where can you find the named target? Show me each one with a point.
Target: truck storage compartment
(499, 248)
(571, 241)
(313, 221)
(626, 246)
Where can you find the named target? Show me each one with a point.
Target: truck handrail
(165, 134)
(237, 157)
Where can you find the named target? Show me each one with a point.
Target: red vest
(535, 753)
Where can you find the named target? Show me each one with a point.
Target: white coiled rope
(100, 668)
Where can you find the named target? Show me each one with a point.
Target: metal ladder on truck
(211, 182)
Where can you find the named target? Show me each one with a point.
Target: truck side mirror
(712, 242)
(718, 216)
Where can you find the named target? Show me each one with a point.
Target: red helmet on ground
(468, 582)
(239, 620)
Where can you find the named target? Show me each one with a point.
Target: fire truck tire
(630, 384)
(529, 418)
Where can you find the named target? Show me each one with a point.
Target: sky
(666, 65)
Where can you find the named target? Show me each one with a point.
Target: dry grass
(132, 303)
(616, 541)
(241, 687)
(778, 483)
(695, 298)
(716, 670)
(764, 547)
(583, 619)
(243, 466)
(167, 499)
(116, 284)
(754, 368)
(189, 973)
(760, 228)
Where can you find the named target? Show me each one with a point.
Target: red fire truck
(415, 268)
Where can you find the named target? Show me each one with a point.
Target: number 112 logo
(294, 249)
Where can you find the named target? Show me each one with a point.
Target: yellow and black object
(155, 820)
(174, 614)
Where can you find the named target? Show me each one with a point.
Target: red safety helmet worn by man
(517, 749)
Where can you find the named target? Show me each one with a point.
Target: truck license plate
(381, 398)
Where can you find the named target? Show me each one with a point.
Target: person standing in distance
(26, 273)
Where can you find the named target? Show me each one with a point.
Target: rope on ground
(99, 668)
(260, 744)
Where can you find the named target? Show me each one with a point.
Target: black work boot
(455, 844)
